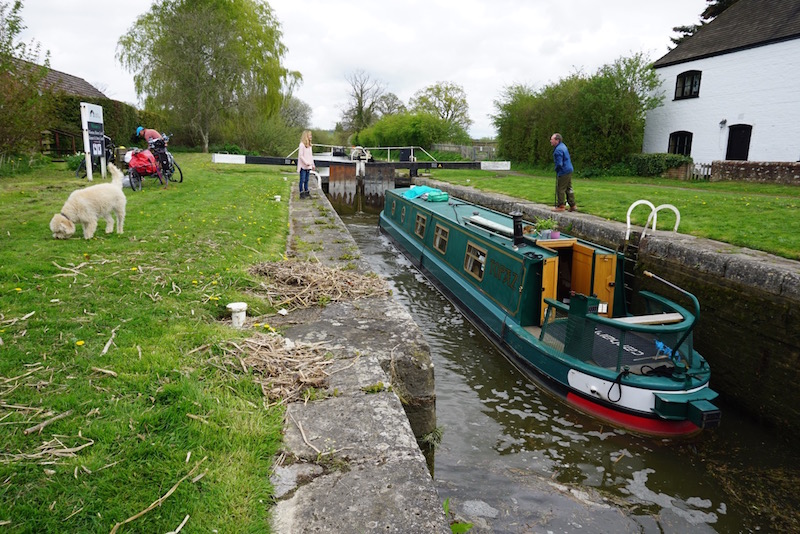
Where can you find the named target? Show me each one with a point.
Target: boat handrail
(686, 324)
(652, 217)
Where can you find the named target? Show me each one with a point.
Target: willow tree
(201, 61)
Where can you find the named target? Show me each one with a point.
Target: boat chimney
(518, 238)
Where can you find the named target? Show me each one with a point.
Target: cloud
(482, 45)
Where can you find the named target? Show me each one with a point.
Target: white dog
(86, 206)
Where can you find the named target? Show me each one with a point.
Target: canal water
(505, 442)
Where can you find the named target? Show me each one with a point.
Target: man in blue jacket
(563, 174)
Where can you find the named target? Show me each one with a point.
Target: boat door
(605, 275)
(549, 283)
(594, 273)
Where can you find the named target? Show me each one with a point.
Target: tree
(389, 104)
(712, 11)
(202, 61)
(295, 113)
(446, 100)
(23, 100)
(411, 129)
(365, 95)
(601, 116)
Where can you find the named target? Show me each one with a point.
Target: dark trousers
(564, 189)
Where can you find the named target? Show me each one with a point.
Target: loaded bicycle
(169, 167)
(155, 161)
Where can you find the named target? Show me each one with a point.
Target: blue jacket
(561, 159)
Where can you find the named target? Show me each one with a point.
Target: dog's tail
(116, 175)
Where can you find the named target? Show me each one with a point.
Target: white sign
(495, 165)
(93, 140)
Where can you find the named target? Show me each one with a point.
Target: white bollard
(238, 313)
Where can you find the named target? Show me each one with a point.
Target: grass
(758, 216)
(160, 399)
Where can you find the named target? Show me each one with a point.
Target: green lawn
(121, 334)
(121, 337)
(758, 216)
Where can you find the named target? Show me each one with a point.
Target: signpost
(93, 140)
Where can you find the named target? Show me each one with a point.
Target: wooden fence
(701, 171)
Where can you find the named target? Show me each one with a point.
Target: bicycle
(168, 164)
(142, 163)
(110, 150)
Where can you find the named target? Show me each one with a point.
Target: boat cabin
(517, 272)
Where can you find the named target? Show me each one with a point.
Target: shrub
(655, 164)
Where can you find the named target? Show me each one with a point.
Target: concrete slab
(351, 461)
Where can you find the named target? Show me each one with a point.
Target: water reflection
(504, 438)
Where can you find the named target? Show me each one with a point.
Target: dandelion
(256, 324)
(80, 343)
(134, 268)
(17, 289)
(213, 282)
(194, 282)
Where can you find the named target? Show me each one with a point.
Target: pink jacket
(305, 157)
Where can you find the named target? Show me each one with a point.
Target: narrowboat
(556, 308)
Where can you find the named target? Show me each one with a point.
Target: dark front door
(739, 142)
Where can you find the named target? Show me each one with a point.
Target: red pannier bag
(143, 162)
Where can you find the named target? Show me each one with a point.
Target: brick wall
(765, 172)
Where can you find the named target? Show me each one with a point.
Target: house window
(419, 228)
(688, 84)
(680, 143)
(440, 236)
(474, 261)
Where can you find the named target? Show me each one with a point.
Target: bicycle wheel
(80, 172)
(177, 173)
(136, 180)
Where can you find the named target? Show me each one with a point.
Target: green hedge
(655, 164)
(119, 119)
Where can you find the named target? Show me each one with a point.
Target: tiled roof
(746, 24)
(72, 85)
(61, 81)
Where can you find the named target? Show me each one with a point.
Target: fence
(476, 152)
(701, 171)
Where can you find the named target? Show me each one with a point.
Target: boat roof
(493, 225)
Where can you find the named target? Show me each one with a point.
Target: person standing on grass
(305, 162)
(564, 170)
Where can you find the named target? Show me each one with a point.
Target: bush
(74, 161)
(11, 164)
(655, 164)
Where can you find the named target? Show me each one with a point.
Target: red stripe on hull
(636, 423)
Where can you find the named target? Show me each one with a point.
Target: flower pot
(555, 234)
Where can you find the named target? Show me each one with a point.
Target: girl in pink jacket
(305, 162)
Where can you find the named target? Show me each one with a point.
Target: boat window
(474, 261)
(394, 205)
(419, 229)
(403, 215)
(440, 238)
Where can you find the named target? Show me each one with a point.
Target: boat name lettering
(503, 273)
(614, 341)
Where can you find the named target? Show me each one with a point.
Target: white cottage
(732, 90)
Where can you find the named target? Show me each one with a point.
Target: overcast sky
(481, 45)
